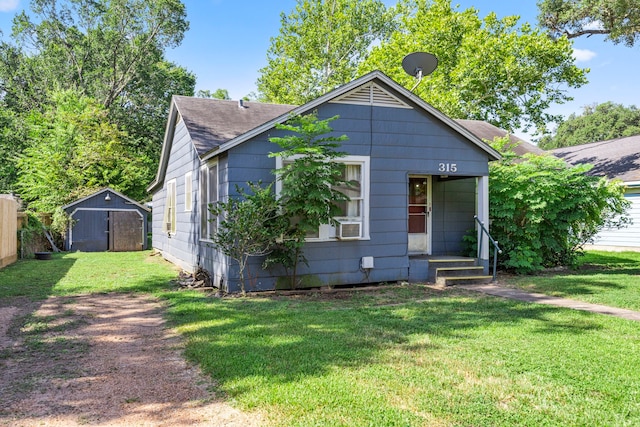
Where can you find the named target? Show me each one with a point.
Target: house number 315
(447, 167)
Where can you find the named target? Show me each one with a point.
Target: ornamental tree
(309, 179)
(249, 226)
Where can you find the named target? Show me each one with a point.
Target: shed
(106, 221)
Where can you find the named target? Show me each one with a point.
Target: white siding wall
(625, 237)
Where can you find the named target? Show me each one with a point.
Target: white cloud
(8, 5)
(583, 55)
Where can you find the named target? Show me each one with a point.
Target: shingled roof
(487, 131)
(614, 158)
(212, 122)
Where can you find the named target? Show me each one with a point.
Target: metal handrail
(496, 248)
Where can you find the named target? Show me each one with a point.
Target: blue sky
(228, 39)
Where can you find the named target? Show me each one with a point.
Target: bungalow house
(615, 159)
(423, 177)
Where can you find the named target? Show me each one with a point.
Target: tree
(12, 142)
(217, 94)
(250, 226)
(618, 20)
(319, 47)
(598, 122)
(109, 50)
(543, 211)
(99, 46)
(74, 150)
(310, 178)
(489, 69)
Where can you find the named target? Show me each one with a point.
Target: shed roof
(105, 190)
(615, 158)
(487, 131)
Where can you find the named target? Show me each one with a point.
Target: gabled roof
(216, 126)
(105, 190)
(487, 131)
(212, 122)
(615, 158)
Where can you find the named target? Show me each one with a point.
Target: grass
(602, 278)
(81, 273)
(396, 356)
(384, 359)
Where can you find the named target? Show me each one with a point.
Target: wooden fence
(8, 230)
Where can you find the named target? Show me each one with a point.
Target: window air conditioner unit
(349, 230)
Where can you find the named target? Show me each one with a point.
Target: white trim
(327, 232)
(429, 219)
(110, 190)
(371, 94)
(207, 166)
(383, 78)
(173, 214)
(188, 191)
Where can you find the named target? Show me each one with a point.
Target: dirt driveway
(101, 360)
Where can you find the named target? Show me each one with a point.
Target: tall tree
(109, 50)
(597, 122)
(618, 20)
(488, 69)
(99, 46)
(73, 150)
(320, 46)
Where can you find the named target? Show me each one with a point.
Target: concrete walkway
(517, 294)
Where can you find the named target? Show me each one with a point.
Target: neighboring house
(422, 179)
(615, 159)
(106, 221)
(487, 131)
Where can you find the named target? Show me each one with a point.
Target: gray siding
(182, 248)
(399, 142)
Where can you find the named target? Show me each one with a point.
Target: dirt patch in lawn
(103, 360)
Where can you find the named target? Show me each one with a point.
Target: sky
(227, 42)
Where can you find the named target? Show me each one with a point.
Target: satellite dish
(419, 64)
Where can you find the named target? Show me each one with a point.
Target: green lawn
(90, 272)
(603, 278)
(396, 356)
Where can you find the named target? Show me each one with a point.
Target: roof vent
(241, 104)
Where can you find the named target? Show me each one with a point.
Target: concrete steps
(447, 271)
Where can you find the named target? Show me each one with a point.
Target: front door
(419, 210)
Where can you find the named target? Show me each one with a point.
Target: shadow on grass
(34, 279)
(283, 341)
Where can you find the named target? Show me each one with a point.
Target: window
(169, 220)
(353, 220)
(188, 192)
(208, 195)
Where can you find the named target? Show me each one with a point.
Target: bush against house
(543, 211)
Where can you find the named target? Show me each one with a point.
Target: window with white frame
(188, 192)
(208, 195)
(353, 222)
(169, 219)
